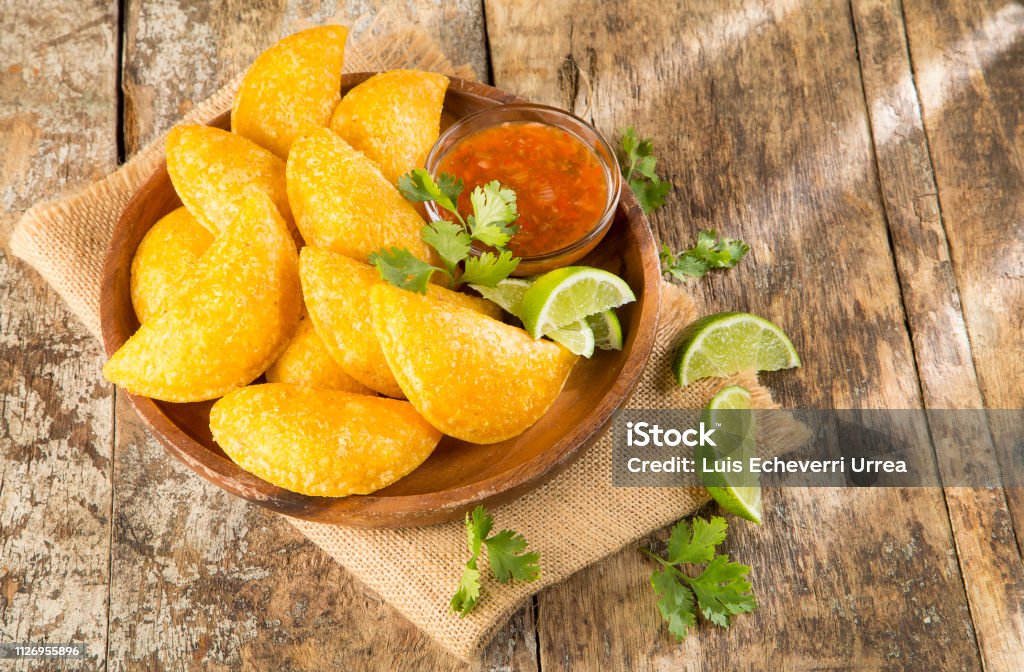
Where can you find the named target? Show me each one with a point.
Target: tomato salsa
(560, 184)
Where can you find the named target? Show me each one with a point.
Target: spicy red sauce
(560, 184)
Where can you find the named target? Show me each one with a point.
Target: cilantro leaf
(734, 248)
(419, 185)
(630, 141)
(721, 590)
(724, 253)
(398, 267)
(709, 252)
(675, 602)
(507, 554)
(468, 592)
(687, 266)
(450, 240)
(638, 166)
(649, 193)
(693, 544)
(645, 166)
(478, 526)
(494, 211)
(489, 270)
(450, 186)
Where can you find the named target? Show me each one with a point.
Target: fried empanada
(469, 375)
(162, 261)
(344, 204)
(291, 87)
(307, 362)
(393, 118)
(323, 443)
(337, 291)
(236, 318)
(211, 169)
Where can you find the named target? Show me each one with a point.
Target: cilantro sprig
(710, 252)
(506, 554)
(638, 164)
(720, 591)
(492, 224)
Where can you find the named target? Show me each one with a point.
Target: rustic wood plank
(202, 579)
(57, 130)
(760, 121)
(982, 526)
(164, 80)
(967, 66)
(967, 60)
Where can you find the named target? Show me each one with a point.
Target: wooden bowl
(458, 475)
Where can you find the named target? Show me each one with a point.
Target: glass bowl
(581, 130)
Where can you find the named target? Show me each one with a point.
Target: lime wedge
(742, 501)
(569, 294)
(578, 337)
(607, 330)
(508, 293)
(726, 343)
(729, 398)
(729, 412)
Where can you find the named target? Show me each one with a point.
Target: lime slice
(607, 330)
(569, 294)
(729, 412)
(578, 337)
(726, 343)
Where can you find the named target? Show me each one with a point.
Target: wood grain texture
(202, 579)
(967, 63)
(989, 559)
(58, 130)
(761, 123)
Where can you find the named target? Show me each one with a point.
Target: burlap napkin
(574, 520)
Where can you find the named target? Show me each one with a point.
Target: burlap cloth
(574, 520)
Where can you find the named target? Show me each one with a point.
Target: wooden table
(871, 152)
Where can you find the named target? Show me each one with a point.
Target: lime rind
(607, 330)
(724, 344)
(581, 337)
